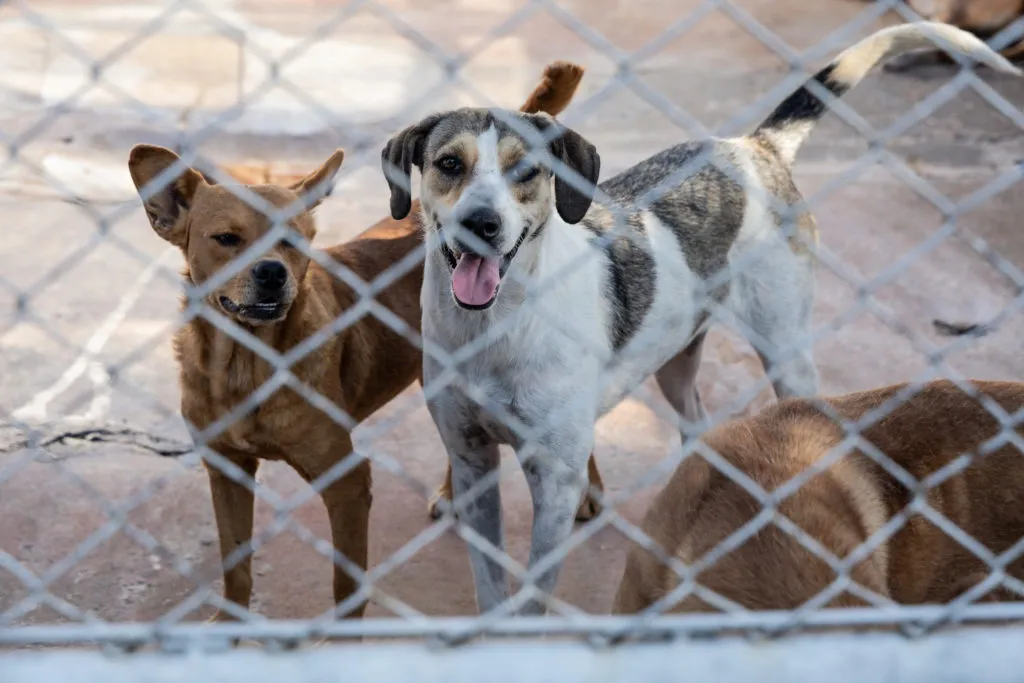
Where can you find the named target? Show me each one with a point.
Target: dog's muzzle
(269, 301)
(260, 311)
(476, 278)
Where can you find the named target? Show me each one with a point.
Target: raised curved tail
(788, 126)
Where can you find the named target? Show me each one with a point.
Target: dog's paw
(435, 506)
(222, 617)
(588, 509)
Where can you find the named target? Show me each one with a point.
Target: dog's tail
(788, 126)
(555, 90)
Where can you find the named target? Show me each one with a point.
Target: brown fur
(984, 18)
(841, 507)
(359, 369)
(262, 174)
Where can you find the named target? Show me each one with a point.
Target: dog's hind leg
(774, 299)
(788, 362)
(233, 508)
(791, 368)
(481, 512)
(677, 380)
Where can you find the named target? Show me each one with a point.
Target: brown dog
(841, 507)
(983, 18)
(282, 299)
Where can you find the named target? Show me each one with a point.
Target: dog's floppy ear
(319, 184)
(170, 197)
(571, 199)
(397, 159)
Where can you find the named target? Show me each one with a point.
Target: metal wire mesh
(71, 428)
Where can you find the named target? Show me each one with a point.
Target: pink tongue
(475, 279)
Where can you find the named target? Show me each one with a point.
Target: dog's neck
(545, 252)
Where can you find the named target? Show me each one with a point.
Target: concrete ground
(86, 318)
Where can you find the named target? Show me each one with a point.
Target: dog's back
(389, 251)
(701, 507)
(840, 507)
(923, 435)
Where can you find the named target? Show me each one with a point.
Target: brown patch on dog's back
(772, 570)
(262, 173)
(843, 506)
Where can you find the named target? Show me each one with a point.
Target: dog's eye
(226, 239)
(524, 174)
(449, 165)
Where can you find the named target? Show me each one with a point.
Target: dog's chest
(522, 383)
(511, 410)
(232, 385)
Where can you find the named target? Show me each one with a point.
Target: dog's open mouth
(476, 278)
(262, 310)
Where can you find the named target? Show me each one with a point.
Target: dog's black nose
(270, 275)
(484, 223)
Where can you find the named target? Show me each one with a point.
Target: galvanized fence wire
(564, 618)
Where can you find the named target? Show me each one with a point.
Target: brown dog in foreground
(843, 506)
(282, 299)
(983, 18)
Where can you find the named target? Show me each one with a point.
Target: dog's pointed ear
(572, 199)
(399, 155)
(319, 184)
(166, 186)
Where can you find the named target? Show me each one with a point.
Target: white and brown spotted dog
(553, 308)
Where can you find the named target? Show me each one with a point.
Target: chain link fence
(75, 491)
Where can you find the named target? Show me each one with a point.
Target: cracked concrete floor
(85, 317)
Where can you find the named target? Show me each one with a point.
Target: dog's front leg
(481, 512)
(233, 509)
(347, 499)
(556, 471)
